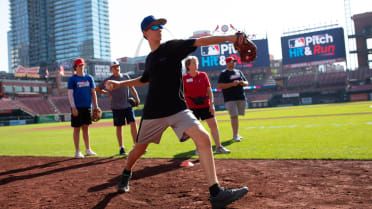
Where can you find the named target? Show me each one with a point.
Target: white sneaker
(90, 152)
(237, 138)
(222, 150)
(79, 155)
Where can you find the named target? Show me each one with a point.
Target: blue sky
(255, 17)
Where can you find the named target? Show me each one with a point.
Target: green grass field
(332, 131)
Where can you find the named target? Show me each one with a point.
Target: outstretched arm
(112, 84)
(132, 82)
(101, 91)
(208, 40)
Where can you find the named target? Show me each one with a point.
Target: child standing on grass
(81, 94)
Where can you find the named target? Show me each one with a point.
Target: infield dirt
(44, 182)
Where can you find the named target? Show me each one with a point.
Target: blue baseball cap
(150, 20)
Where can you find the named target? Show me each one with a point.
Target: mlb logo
(210, 50)
(296, 42)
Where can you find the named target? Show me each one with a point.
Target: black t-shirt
(236, 92)
(163, 71)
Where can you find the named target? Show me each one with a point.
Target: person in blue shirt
(81, 95)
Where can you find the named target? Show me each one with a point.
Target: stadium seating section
(351, 81)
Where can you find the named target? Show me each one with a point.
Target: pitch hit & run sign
(313, 48)
(213, 57)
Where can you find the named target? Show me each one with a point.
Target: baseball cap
(79, 61)
(114, 63)
(150, 20)
(230, 59)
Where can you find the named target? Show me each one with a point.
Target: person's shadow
(103, 203)
(173, 164)
(49, 164)
(94, 162)
(227, 143)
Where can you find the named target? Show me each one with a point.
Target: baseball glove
(96, 114)
(132, 102)
(246, 48)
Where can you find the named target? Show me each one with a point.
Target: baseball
(109, 86)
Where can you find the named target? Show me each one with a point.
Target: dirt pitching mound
(44, 182)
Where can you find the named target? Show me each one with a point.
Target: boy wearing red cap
(81, 95)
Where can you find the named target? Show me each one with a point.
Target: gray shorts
(236, 108)
(151, 130)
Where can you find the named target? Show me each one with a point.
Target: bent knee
(198, 134)
(203, 140)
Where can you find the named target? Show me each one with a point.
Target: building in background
(363, 36)
(9, 38)
(49, 32)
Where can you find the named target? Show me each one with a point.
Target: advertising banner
(313, 48)
(29, 72)
(101, 71)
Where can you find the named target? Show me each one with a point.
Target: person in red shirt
(199, 99)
